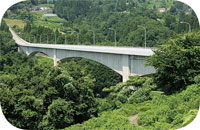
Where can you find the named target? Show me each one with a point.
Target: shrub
(188, 118)
(147, 118)
(177, 63)
(162, 126)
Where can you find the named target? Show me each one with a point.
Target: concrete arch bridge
(124, 60)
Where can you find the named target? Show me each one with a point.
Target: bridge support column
(125, 68)
(27, 53)
(54, 58)
(19, 49)
(25, 50)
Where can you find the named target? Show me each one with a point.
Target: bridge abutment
(125, 68)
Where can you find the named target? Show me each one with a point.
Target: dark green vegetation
(33, 92)
(99, 15)
(177, 63)
(100, 74)
(156, 110)
(36, 95)
(84, 95)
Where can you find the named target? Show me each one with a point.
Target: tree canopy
(178, 62)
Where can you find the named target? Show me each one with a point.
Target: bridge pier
(27, 53)
(125, 68)
(19, 49)
(116, 58)
(54, 58)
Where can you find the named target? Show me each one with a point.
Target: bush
(110, 120)
(143, 94)
(162, 126)
(177, 63)
(140, 95)
(188, 118)
(129, 109)
(154, 94)
(147, 118)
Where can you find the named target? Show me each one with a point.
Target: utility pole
(145, 35)
(40, 39)
(76, 34)
(65, 38)
(54, 36)
(188, 25)
(47, 38)
(93, 35)
(78, 38)
(115, 36)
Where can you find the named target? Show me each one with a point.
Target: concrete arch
(34, 53)
(124, 60)
(64, 60)
(117, 62)
(110, 60)
(34, 50)
(123, 64)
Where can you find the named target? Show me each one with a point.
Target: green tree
(177, 63)
(62, 110)
(170, 21)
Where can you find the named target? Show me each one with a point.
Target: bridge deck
(101, 49)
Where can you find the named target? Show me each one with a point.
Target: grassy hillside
(158, 112)
(16, 22)
(51, 22)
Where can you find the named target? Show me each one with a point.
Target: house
(49, 15)
(187, 13)
(161, 10)
(44, 9)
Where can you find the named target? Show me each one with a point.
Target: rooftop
(49, 15)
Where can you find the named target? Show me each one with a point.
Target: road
(100, 49)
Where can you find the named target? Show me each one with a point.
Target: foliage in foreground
(103, 76)
(35, 95)
(177, 66)
(177, 63)
(110, 120)
(158, 112)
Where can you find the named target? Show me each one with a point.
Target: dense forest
(38, 88)
(99, 15)
(80, 94)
